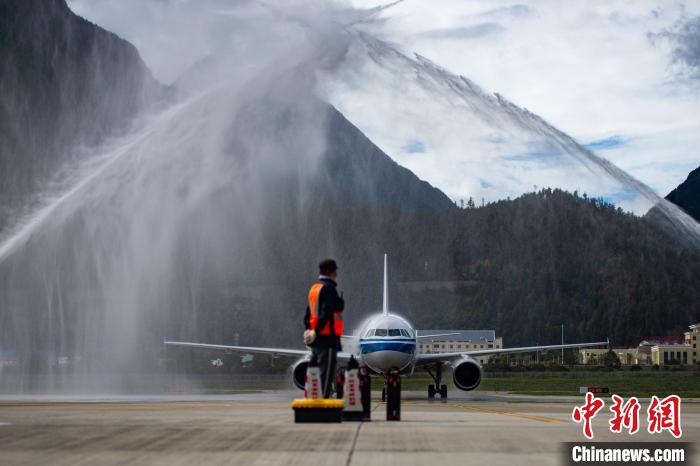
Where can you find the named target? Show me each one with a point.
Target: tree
(611, 361)
(570, 357)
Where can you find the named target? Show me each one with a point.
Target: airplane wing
(431, 358)
(342, 356)
(419, 337)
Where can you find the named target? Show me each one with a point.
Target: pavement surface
(258, 429)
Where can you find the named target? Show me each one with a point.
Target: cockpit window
(369, 333)
(405, 333)
(395, 332)
(380, 332)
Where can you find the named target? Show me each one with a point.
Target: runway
(258, 429)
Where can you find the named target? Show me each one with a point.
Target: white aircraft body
(387, 343)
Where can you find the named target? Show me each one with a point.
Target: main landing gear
(437, 388)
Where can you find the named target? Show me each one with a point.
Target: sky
(621, 77)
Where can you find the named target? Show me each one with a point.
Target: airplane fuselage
(387, 342)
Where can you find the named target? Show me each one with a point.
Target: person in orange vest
(324, 322)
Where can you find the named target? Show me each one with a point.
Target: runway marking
(531, 417)
(479, 409)
(5, 424)
(139, 406)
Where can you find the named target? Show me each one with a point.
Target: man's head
(329, 268)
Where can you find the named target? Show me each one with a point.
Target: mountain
(64, 83)
(351, 202)
(525, 266)
(225, 217)
(687, 195)
(211, 230)
(521, 266)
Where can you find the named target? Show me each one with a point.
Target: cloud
(172, 35)
(517, 11)
(586, 67)
(464, 32)
(414, 147)
(530, 156)
(623, 196)
(686, 39)
(604, 144)
(481, 24)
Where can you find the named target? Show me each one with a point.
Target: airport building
(644, 349)
(679, 351)
(627, 356)
(692, 339)
(458, 340)
(653, 350)
(670, 354)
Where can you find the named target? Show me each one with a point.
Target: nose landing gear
(437, 388)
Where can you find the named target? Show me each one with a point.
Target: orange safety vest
(313, 321)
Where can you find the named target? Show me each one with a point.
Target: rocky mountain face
(687, 195)
(243, 256)
(64, 83)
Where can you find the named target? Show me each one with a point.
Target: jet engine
(299, 373)
(466, 373)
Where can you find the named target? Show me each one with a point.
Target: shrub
(611, 360)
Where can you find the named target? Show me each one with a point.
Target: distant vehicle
(218, 362)
(387, 343)
(247, 359)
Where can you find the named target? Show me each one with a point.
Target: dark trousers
(327, 361)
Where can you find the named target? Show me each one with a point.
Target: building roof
(462, 335)
(605, 350)
(675, 346)
(694, 326)
(663, 340)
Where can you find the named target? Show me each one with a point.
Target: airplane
(386, 343)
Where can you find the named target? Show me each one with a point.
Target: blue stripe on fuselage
(384, 339)
(402, 346)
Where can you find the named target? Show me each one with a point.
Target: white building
(691, 339)
(627, 356)
(458, 340)
(662, 355)
(659, 350)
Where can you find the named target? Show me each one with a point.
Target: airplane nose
(384, 361)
